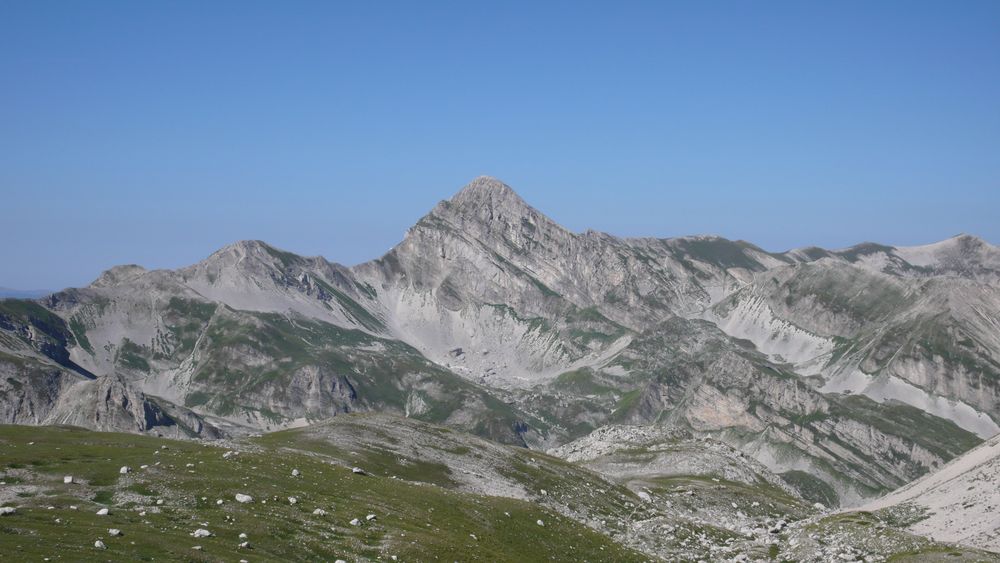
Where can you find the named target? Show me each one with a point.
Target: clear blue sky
(157, 132)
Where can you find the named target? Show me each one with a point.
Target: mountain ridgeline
(846, 373)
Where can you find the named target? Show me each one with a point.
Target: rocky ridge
(491, 318)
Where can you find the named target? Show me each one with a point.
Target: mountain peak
(486, 199)
(968, 239)
(118, 275)
(486, 189)
(253, 250)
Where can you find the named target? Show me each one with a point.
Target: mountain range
(845, 374)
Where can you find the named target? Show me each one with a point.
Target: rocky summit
(697, 397)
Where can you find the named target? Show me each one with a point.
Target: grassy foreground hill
(374, 487)
(413, 521)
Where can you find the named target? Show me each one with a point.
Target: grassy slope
(413, 451)
(415, 521)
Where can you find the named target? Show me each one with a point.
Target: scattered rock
(201, 533)
(370, 517)
(540, 523)
(114, 532)
(243, 536)
(125, 469)
(100, 545)
(292, 500)
(103, 512)
(242, 498)
(358, 471)
(295, 473)
(355, 522)
(68, 479)
(319, 512)
(5, 510)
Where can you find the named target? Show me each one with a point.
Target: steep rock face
(254, 276)
(687, 375)
(249, 369)
(29, 390)
(496, 290)
(110, 403)
(39, 384)
(931, 342)
(475, 285)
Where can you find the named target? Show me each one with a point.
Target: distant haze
(157, 133)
